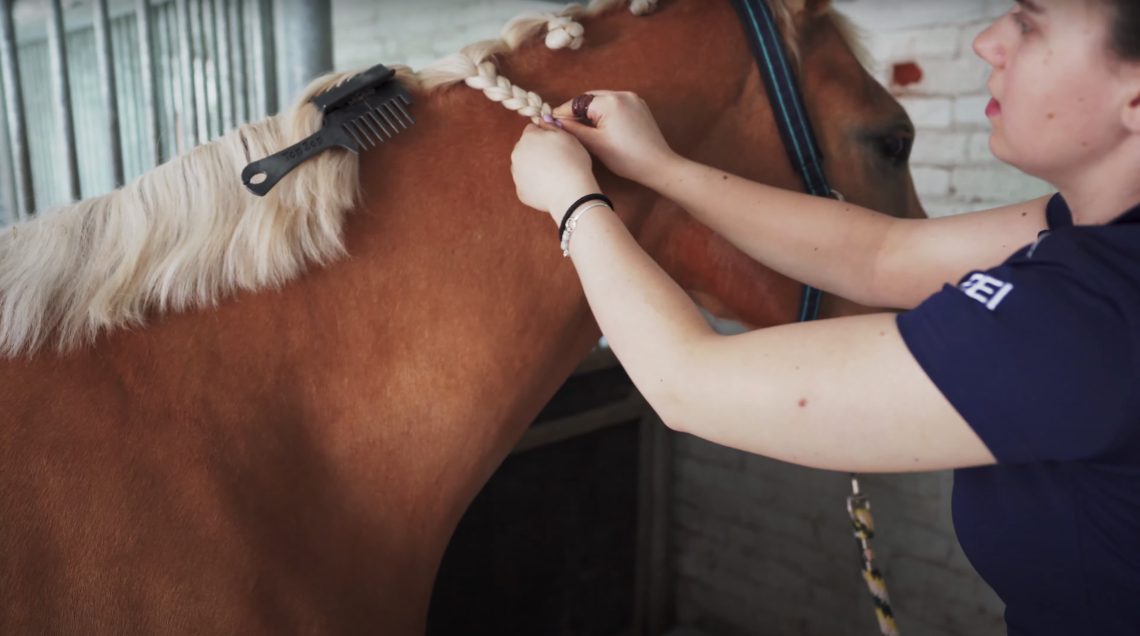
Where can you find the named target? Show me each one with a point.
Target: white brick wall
(763, 547)
(952, 164)
(418, 32)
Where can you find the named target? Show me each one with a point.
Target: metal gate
(96, 95)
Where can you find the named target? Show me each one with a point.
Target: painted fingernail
(548, 119)
(558, 122)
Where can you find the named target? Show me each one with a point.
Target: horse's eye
(896, 147)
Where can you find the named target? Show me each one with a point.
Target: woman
(1025, 377)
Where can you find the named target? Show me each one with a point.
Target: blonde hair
(187, 234)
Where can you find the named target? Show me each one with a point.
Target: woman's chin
(1001, 151)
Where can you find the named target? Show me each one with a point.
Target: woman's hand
(551, 170)
(623, 135)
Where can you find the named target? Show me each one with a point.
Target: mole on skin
(803, 403)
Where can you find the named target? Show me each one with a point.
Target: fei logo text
(986, 289)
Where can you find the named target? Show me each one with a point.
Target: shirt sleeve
(1038, 363)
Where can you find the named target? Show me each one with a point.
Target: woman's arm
(862, 255)
(825, 243)
(841, 394)
(871, 258)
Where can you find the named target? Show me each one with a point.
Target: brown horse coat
(296, 459)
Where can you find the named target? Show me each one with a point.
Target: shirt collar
(1058, 214)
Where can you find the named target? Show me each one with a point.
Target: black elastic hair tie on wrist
(574, 206)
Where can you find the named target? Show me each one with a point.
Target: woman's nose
(989, 47)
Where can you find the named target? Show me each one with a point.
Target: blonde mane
(187, 234)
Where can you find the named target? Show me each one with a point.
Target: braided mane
(186, 234)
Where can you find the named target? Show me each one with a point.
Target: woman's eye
(1022, 23)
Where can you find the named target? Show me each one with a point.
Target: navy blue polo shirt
(1041, 356)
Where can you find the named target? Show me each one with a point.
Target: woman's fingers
(566, 111)
(584, 132)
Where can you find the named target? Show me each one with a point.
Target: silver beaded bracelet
(573, 223)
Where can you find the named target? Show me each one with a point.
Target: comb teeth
(367, 126)
(373, 120)
(408, 101)
(393, 112)
(383, 112)
(377, 123)
(363, 136)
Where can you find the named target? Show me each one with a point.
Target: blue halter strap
(799, 142)
(791, 119)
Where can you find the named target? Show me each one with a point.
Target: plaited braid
(499, 89)
(562, 31)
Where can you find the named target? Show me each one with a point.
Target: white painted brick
(998, 181)
(979, 148)
(951, 77)
(971, 110)
(939, 42)
(940, 148)
(929, 112)
(886, 15)
(969, 33)
(942, 206)
(931, 181)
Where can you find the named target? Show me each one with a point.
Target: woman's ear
(1131, 114)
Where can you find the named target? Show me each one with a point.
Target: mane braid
(187, 234)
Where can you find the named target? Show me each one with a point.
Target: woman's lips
(993, 108)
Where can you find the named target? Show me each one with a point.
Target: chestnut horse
(327, 376)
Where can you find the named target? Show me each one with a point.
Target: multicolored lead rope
(859, 509)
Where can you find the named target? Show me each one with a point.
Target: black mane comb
(359, 113)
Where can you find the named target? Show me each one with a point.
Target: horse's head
(863, 133)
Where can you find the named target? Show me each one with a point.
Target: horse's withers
(296, 460)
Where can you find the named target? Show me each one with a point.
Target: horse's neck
(692, 64)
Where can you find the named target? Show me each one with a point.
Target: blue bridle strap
(791, 119)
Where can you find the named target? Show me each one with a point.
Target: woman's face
(1058, 89)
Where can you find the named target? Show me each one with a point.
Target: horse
(230, 414)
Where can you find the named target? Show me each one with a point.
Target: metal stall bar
(153, 136)
(225, 63)
(63, 113)
(262, 59)
(210, 69)
(201, 95)
(17, 125)
(306, 27)
(8, 213)
(237, 38)
(109, 89)
(187, 120)
(169, 69)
